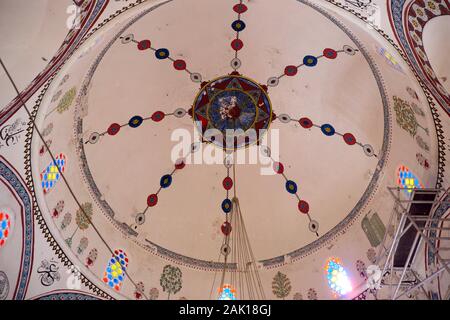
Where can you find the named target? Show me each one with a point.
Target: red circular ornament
(144, 45)
(290, 71)
(158, 116)
(237, 44)
(179, 65)
(240, 8)
(180, 164)
(226, 228)
(152, 200)
(303, 206)
(114, 129)
(305, 123)
(349, 139)
(329, 53)
(227, 183)
(278, 167)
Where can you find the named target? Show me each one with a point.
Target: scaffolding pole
(402, 220)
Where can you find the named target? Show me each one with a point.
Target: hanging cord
(60, 172)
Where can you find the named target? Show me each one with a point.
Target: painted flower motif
(56, 96)
(416, 24)
(92, 257)
(417, 109)
(416, 38)
(405, 116)
(420, 12)
(84, 242)
(139, 292)
(58, 209)
(48, 129)
(422, 161)
(421, 54)
(422, 143)
(312, 294)
(43, 149)
(67, 219)
(412, 93)
(433, 6)
(64, 79)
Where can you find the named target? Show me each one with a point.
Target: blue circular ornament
(328, 130)
(291, 186)
(238, 25)
(166, 181)
(162, 54)
(310, 61)
(227, 205)
(135, 122)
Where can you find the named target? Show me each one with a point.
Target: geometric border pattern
(14, 180)
(410, 37)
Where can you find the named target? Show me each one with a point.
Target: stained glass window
(338, 280)
(5, 226)
(389, 58)
(407, 179)
(114, 274)
(227, 293)
(51, 174)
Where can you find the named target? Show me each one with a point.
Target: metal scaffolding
(416, 226)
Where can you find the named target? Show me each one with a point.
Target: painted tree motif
(154, 294)
(281, 285)
(83, 217)
(66, 100)
(171, 280)
(298, 296)
(405, 116)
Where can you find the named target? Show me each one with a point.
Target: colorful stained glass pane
(408, 180)
(114, 274)
(338, 280)
(5, 227)
(227, 292)
(51, 175)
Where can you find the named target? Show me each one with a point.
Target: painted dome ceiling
(209, 140)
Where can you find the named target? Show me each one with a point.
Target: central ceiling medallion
(232, 111)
